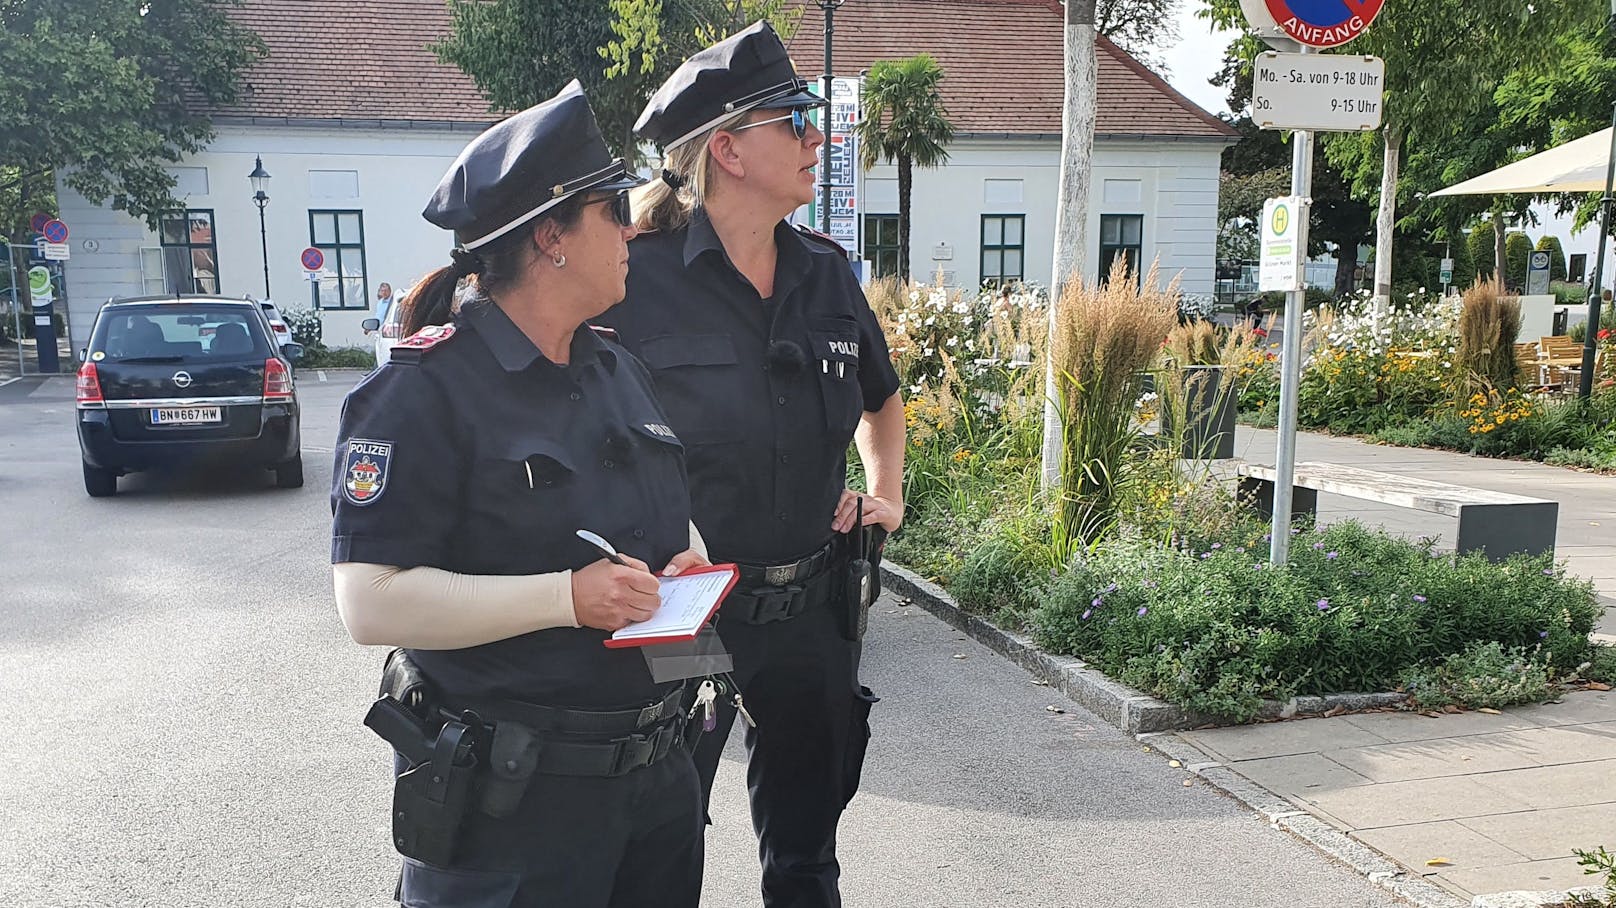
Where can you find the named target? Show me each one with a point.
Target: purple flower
(1268, 537)
(1419, 598)
(1205, 555)
(1295, 531)
(1087, 613)
(1542, 635)
(1240, 551)
(1324, 605)
(1331, 556)
(1548, 572)
(1097, 602)
(1217, 545)
(1142, 611)
(1257, 566)
(1317, 546)
(1110, 589)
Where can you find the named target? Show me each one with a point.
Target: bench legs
(1501, 530)
(1260, 494)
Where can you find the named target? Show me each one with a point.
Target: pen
(605, 547)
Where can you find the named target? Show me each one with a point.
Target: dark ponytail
(499, 264)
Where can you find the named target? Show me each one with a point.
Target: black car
(174, 382)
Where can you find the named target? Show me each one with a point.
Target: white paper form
(687, 601)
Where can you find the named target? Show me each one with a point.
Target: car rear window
(188, 332)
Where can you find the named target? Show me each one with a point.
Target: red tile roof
(1004, 61)
(367, 60)
(357, 60)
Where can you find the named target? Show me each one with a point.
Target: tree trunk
(1346, 270)
(1072, 207)
(1500, 266)
(1387, 218)
(905, 183)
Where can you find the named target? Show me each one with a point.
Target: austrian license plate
(184, 416)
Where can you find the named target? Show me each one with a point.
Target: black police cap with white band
(524, 166)
(749, 70)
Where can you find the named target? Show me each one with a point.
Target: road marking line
(10, 380)
(321, 373)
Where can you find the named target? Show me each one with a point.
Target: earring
(559, 260)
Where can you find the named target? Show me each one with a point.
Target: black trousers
(805, 756)
(627, 842)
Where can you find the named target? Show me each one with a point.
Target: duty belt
(589, 743)
(778, 593)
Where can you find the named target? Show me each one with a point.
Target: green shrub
(306, 326)
(999, 576)
(1354, 610)
(1482, 675)
(1482, 251)
(1517, 256)
(1415, 433)
(322, 357)
(1601, 665)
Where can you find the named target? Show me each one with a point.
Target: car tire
(289, 475)
(100, 483)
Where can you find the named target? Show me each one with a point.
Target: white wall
(396, 171)
(1174, 185)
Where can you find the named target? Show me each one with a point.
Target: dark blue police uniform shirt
(489, 458)
(766, 447)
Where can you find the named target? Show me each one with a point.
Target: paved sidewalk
(1500, 800)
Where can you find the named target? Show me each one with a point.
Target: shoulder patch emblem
(824, 238)
(421, 341)
(364, 470)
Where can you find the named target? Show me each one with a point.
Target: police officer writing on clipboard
(768, 359)
(537, 766)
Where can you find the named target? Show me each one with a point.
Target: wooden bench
(1497, 524)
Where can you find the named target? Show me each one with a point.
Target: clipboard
(689, 601)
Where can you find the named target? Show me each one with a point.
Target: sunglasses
(798, 118)
(622, 212)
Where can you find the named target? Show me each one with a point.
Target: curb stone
(1525, 899)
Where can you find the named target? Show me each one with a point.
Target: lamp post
(830, 7)
(260, 182)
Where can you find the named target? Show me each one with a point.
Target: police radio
(859, 581)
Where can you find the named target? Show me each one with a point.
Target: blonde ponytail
(659, 206)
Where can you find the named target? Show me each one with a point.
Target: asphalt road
(180, 725)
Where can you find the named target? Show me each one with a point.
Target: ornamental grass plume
(1489, 323)
(1104, 338)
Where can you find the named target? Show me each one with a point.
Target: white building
(356, 120)
(990, 211)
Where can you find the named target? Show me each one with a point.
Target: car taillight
(88, 390)
(277, 380)
(280, 328)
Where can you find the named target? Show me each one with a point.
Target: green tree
(1444, 59)
(1480, 244)
(904, 122)
(1557, 262)
(1464, 264)
(1517, 253)
(1140, 27)
(521, 52)
(107, 93)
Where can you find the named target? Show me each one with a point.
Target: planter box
(1209, 408)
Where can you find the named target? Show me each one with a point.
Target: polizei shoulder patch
(364, 470)
(412, 348)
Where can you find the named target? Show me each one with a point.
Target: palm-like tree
(904, 122)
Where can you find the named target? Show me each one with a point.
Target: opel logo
(182, 379)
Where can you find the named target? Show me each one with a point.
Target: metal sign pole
(1291, 359)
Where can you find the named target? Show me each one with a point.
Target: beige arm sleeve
(428, 608)
(698, 544)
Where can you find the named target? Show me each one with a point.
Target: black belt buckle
(653, 713)
(776, 603)
(781, 574)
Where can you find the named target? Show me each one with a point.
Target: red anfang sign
(1324, 23)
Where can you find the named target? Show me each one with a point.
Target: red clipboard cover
(734, 575)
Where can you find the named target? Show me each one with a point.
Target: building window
(190, 252)
(1003, 243)
(881, 244)
(1121, 236)
(341, 236)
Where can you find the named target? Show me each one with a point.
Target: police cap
(748, 70)
(523, 166)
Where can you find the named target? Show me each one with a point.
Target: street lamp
(830, 7)
(260, 182)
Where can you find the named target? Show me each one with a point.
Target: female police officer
(540, 767)
(768, 360)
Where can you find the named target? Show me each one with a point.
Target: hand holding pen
(615, 592)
